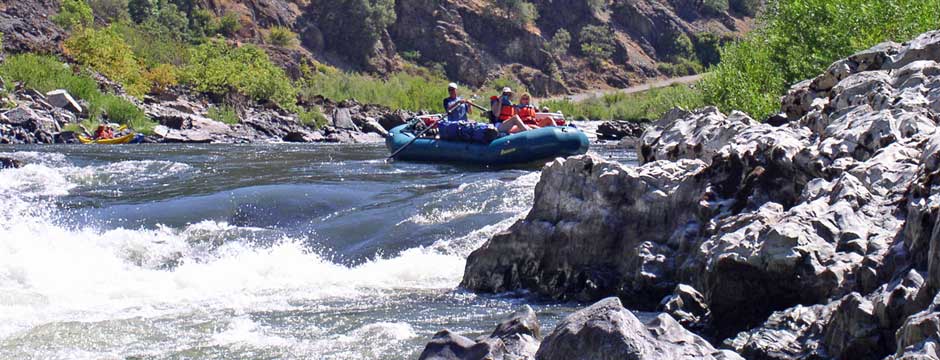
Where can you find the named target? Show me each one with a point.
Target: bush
(46, 73)
(110, 10)
(745, 7)
(313, 118)
(596, 43)
(399, 91)
(799, 39)
(162, 78)
(676, 45)
(560, 42)
(224, 113)
(74, 14)
(218, 68)
(708, 47)
(168, 22)
(106, 52)
(228, 25)
(282, 36)
(682, 67)
(153, 47)
(520, 12)
(353, 27)
(716, 6)
(413, 55)
(644, 106)
(140, 10)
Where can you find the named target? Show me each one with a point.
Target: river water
(247, 251)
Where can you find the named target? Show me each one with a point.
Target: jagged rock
(62, 99)
(789, 334)
(686, 305)
(370, 125)
(516, 338)
(342, 119)
(683, 135)
(606, 330)
(8, 163)
(586, 207)
(393, 119)
(617, 130)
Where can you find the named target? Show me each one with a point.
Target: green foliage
(413, 55)
(596, 5)
(141, 10)
(74, 14)
(313, 118)
(46, 73)
(110, 10)
(105, 51)
(228, 25)
(596, 44)
(745, 7)
(708, 47)
(644, 106)
(520, 12)
(399, 91)
(282, 36)
(503, 81)
(560, 42)
(218, 68)
(716, 6)
(352, 27)
(799, 39)
(168, 21)
(162, 77)
(153, 47)
(223, 113)
(676, 45)
(682, 67)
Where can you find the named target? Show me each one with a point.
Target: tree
(520, 12)
(596, 43)
(141, 10)
(560, 42)
(73, 14)
(353, 27)
(110, 10)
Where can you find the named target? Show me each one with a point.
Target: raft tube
(521, 148)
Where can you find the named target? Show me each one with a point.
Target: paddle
(418, 135)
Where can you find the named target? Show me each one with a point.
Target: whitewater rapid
(58, 274)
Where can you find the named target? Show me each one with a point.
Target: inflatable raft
(520, 148)
(131, 138)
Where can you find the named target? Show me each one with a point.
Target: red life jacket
(506, 112)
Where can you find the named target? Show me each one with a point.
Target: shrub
(596, 43)
(399, 91)
(153, 47)
(312, 117)
(799, 39)
(218, 68)
(228, 25)
(106, 52)
(716, 6)
(46, 73)
(162, 78)
(224, 113)
(643, 106)
(745, 7)
(676, 45)
(168, 21)
(682, 67)
(413, 55)
(353, 27)
(110, 10)
(73, 14)
(708, 47)
(282, 36)
(560, 42)
(140, 10)
(520, 12)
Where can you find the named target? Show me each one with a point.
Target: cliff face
(817, 238)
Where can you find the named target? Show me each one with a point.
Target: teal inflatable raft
(521, 148)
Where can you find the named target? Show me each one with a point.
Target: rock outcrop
(516, 338)
(813, 237)
(620, 130)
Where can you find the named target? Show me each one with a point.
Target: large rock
(617, 130)
(64, 100)
(514, 339)
(606, 330)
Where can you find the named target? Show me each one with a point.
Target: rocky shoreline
(812, 236)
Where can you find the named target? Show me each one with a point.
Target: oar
(417, 136)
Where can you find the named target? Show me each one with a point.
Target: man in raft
(456, 107)
(508, 120)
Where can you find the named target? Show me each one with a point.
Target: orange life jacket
(527, 113)
(506, 112)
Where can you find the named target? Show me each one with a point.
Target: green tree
(282, 36)
(218, 68)
(110, 10)
(560, 42)
(596, 43)
(353, 27)
(520, 12)
(141, 10)
(105, 51)
(73, 14)
(229, 24)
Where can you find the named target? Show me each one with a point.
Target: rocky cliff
(815, 238)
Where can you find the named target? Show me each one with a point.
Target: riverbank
(809, 236)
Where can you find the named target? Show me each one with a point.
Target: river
(247, 251)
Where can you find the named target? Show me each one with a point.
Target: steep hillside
(613, 43)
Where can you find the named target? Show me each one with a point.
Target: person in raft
(456, 107)
(507, 119)
(527, 112)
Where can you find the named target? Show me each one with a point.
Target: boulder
(62, 99)
(686, 305)
(8, 163)
(617, 130)
(392, 119)
(606, 330)
(515, 338)
(342, 119)
(370, 125)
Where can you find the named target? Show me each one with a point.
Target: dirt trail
(630, 90)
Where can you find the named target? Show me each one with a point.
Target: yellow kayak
(112, 141)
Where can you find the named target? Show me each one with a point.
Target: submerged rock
(514, 339)
(618, 130)
(8, 163)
